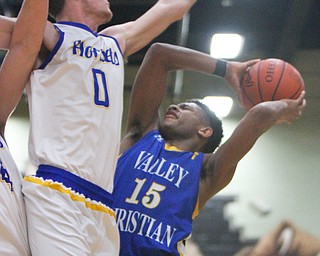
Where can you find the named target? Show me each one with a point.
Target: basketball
(269, 80)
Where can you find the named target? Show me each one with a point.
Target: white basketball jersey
(76, 102)
(13, 234)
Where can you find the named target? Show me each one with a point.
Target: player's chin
(109, 16)
(168, 123)
(169, 120)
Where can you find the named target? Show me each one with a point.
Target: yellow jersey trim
(74, 197)
(196, 210)
(174, 148)
(171, 148)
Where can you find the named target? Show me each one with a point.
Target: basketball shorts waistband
(76, 183)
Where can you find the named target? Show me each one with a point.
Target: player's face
(183, 120)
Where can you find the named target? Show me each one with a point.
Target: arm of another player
(133, 36)
(24, 47)
(150, 84)
(269, 243)
(6, 28)
(218, 168)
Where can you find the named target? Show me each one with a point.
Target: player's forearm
(256, 122)
(30, 25)
(219, 167)
(283, 111)
(135, 35)
(177, 9)
(177, 57)
(24, 46)
(266, 114)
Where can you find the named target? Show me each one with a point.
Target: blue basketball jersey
(155, 195)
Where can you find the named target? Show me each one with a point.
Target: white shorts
(62, 221)
(13, 223)
(13, 234)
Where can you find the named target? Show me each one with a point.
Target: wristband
(221, 68)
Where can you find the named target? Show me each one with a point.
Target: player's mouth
(171, 114)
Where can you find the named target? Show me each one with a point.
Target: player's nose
(173, 107)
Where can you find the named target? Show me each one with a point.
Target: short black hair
(216, 125)
(55, 7)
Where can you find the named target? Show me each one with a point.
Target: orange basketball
(270, 79)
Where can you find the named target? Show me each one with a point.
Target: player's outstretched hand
(293, 110)
(235, 71)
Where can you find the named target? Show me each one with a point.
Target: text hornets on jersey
(108, 55)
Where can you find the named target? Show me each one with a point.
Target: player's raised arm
(24, 46)
(133, 36)
(6, 28)
(219, 168)
(150, 84)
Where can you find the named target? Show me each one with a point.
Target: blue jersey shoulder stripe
(54, 51)
(115, 40)
(78, 25)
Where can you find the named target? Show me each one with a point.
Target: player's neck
(92, 25)
(183, 145)
(78, 16)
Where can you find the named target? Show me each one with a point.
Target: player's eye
(183, 106)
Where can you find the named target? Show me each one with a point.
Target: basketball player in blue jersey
(15, 70)
(75, 102)
(167, 171)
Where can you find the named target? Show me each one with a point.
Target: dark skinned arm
(150, 84)
(219, 168)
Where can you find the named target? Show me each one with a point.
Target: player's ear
(205, 132)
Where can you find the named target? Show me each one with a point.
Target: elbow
(160, 52)
(158, 49)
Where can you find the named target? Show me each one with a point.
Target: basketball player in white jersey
(75, 101)
(25, 43)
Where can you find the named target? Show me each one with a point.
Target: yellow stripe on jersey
(74, 197)
(196, 210)
(171, 148)
(174, 148)
(194, 155)
(181, 248)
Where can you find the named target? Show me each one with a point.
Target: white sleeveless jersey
(13, 234)
(76, 102)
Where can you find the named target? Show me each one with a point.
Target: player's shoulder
(118, 32)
